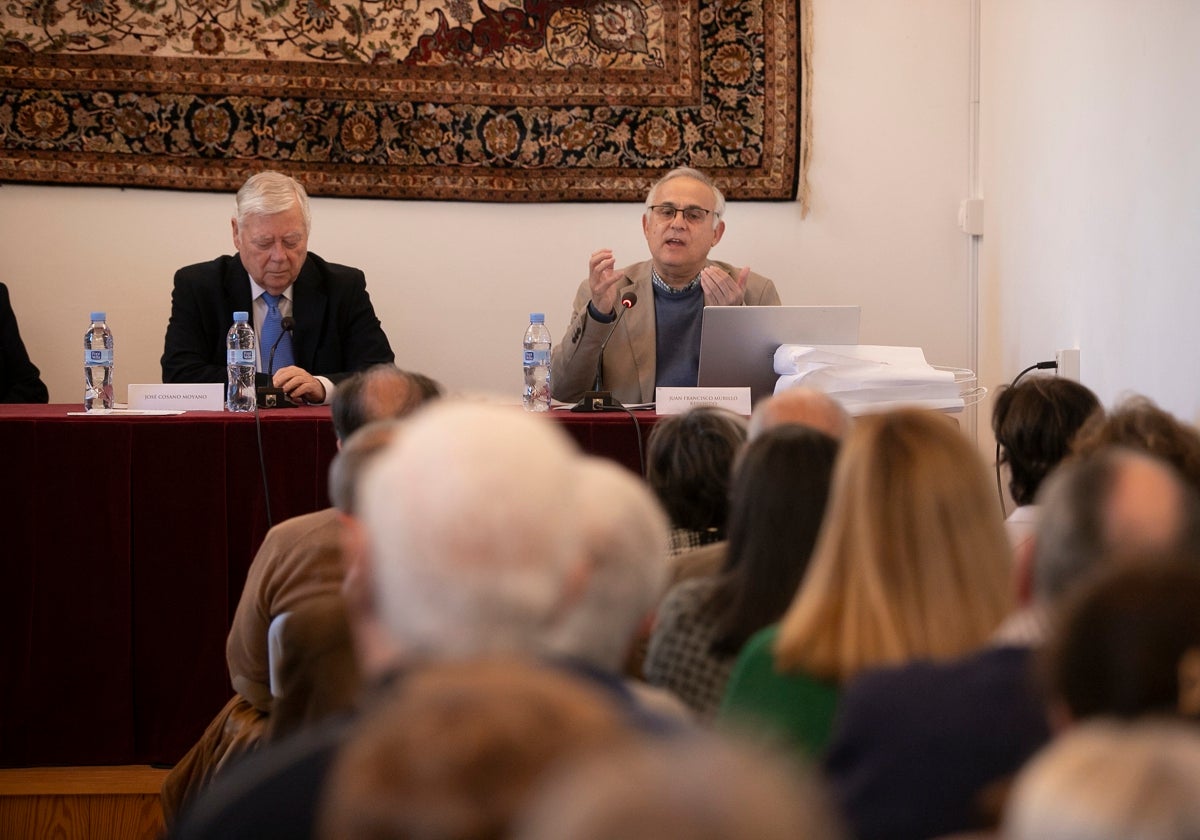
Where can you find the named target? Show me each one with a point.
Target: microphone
(268, 395)
(598, 399)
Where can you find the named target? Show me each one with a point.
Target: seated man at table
(658, 341)
(274, 277)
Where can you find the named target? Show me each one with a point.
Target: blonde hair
(912, 559)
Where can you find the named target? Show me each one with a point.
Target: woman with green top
(912, 562)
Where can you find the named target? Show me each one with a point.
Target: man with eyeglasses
(657, 343)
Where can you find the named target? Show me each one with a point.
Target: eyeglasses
(667, 213)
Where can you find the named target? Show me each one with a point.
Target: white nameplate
(208, 396)
(679, 400)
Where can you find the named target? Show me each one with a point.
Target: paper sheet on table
(868, 377)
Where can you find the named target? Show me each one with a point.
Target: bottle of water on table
(242, 364)
(537, 364)
(98, 364)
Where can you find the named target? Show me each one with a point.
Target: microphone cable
(262, 463)
(637, 428)
(1049, 365)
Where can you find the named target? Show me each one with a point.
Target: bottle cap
(99, 316)
(240, 317)
(537, 318)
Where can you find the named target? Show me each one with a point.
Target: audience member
(456, 751)
(20, 380)
(927, 749)
(658, 340)
(299, 563)
(1127, 644)
(471, 546)
(1034, 422)
(697, 788)
(777, 503)
(801, 406)
(1108, 780)
(274, 276)
(689, 464)
(911, 562)
(1138, 424)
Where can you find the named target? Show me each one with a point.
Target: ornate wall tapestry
(482, 100)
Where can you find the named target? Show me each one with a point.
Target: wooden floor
(81, 803)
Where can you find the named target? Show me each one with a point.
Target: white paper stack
(867, 377)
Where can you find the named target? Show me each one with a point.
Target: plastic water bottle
(537, 364)
(98, 364)
(242, 364)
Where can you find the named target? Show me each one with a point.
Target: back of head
(1035, 422)
(267, 193)
(1138, 424)
(912, 560)
(1126, 643)
(696, 788)
(1111, 781)
(1105, 505)
(456, 752)
(778, 500)
(800, 406)
(470, 529)
(689, 462)
(351, 460)
(625, 535)
(382, 392)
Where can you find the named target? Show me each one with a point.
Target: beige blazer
(629, 363)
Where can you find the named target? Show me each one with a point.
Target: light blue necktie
(271, 330)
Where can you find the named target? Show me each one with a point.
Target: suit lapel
(309, 302)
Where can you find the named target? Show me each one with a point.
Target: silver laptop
(738, 343)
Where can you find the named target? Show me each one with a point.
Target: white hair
(271, 192)
(471, 538)
(1106, 780)
(626, 543)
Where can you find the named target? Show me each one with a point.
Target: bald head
(803, 407)
(383, 392)
(1113, 504)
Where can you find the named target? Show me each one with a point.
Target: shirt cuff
(329, 388)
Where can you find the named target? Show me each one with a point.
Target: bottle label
(537, 357)
(98, 357)
(240, 356)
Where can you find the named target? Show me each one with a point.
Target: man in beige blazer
(657, 342)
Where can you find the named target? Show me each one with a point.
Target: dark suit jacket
(927, 749)
(20, 380)
(336, 334)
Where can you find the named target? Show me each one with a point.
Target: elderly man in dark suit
(273, 277)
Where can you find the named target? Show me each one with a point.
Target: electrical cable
(262, 463)
(1049, 365)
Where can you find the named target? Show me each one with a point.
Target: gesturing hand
(722, 290)
(602, 280)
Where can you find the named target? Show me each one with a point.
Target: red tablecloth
(125, 543)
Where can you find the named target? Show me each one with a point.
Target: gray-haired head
(267, 193)
(1112, 504)
(626, 540)
(801, 406)
(380, 392)
(695, 174)
(470, 529)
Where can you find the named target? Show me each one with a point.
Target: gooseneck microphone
(268, 395)
(598, 399)
(285, 328)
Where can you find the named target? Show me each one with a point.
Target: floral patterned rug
(507, 100)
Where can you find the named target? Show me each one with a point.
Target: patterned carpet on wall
(507, 100)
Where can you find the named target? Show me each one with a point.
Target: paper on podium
(869, 377)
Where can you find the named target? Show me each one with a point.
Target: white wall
(454, 282)
(1091, 175)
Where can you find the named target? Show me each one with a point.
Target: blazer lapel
(309, 302)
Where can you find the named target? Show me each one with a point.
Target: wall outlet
(1068, 363)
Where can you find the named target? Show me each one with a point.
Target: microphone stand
(598, 399)
(268, 395)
